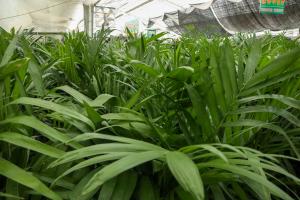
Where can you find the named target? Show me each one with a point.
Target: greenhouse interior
(150, 99)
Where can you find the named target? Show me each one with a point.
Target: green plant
(150, 118)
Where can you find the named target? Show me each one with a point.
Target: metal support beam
(88, 11)
(135, 7)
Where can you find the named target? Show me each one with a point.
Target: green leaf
(177, 55)
(99, 149)
(269, 166)
(241, 70)
(145, 68)
(74, 93)
(199, 107)
(211, 149)
(120, 166)
(81, 98)
(226, 73)
(9, 196)
(101, 99)
(29, 143)
(44, 129)
(54, 107)
(77, 192)
(12, 67)
(217, 192)
(147, 190)
(268, 82)
(256, 123)
(250, 175)
(181, 73)
(93, 114)
(92, 161)
(122, 188)
(132, 101)
(35, 71)
(229, 62)
(269, 109)
(122, 117)
(186, 173)
(89, 136)
(107, 189)
(155, 37)
(275, 67)
(253, 60)
(183, 195)
(260, 191)
(19, 175)
(292, 102)
(9, 52)
(216, 77)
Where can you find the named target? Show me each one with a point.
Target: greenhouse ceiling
(142, 15)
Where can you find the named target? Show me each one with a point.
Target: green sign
(272, 6)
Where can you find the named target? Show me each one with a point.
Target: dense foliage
(149, 118)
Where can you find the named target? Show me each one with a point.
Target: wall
(11, 8)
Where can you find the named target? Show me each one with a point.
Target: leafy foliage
(149, 118)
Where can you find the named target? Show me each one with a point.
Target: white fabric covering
(162, 15)
(43, 15)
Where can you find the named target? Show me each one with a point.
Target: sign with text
(272, 6)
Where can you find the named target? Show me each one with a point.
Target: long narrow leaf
(186, 173)
(120, 166)
(19, 175)
(29, 143)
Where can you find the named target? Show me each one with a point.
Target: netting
(201, 20)
(175, 16)
(233, 17)
(207, 16)
(244, 16)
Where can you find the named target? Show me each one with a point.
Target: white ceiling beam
(175, 4)
(135, 7)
